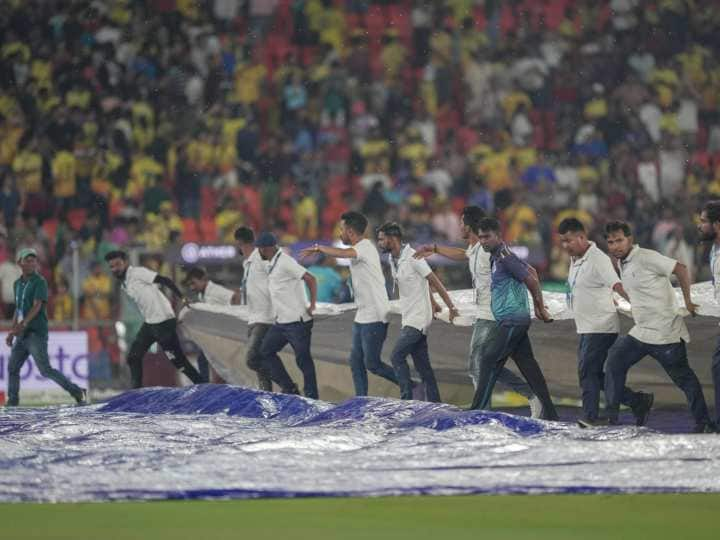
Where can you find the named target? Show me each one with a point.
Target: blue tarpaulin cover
(219, 441)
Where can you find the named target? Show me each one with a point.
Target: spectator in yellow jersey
(64, 174)
(27, 167)
(62, 302)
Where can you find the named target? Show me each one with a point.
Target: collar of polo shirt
(632, 253)
(585, 255)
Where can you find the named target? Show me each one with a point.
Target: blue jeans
(484, 334)
(592, 353)
(512, 341)
(367, 344)
(37, 346)
(298, 335)
(628, 351)
(414, 343)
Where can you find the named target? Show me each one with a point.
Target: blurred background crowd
(152, 124)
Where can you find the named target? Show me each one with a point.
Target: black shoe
(706, 427)
(641, 410)
(81, 398)
(292, 390)
(589, 423)
(264, 382)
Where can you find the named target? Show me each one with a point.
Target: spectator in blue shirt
(511, 278)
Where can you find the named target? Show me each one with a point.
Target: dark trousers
(365, 355)
(165, 334)
(298, 335)
(414, 343)
(592, 354)
(203, 366)
(254, 358)
(512, 340)
(628, 351)
(716, 379)
(37, 346)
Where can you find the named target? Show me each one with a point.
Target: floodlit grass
(509, 517)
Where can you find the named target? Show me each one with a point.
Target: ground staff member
(413, 278)
(255, 294)
(160, 325)
(293, 316)
(373, 306)
(209, 292)
(510, 281)
(592, 280)
(485, 329)
(659, 330)
(709, 229)
(29, 333)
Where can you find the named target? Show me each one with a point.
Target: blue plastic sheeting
(216, 441)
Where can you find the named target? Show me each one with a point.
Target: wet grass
(513, 517)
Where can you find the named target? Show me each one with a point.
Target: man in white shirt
(592, 279)
(255, 294)
(709, 229)
(293, 316)
(209, 292)
(485, 329)
(160, 324)
(659, 329)
(413, 278)
(373, 306)
(9, 273)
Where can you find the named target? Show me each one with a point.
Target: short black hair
(117, 254)
(471, 216)
(712, 210)
(571, 224)
(245, 235)
(391, 228)
(489, 224)
(196, 272)
(356, 221)
(615, 226)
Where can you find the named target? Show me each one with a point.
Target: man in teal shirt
(29, 334)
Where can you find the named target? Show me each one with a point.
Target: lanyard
(713, 259)
(21, 303)
(571, 293)
(394, 266)
(476, 297)
(246, 275)
(274, 262)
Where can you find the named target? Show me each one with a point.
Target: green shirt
(27, 291)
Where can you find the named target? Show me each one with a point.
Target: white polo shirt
(480, 270)
(216, 294)
(410, 275)
(287, 289)
(255, 291)
(152, 303)
(645, 276)
(368, 284)
(591, 279)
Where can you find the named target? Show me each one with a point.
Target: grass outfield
(512, 517)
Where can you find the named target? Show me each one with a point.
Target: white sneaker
(536, 407)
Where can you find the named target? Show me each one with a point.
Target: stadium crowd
(152, 123)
